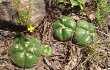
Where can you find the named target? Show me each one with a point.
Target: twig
(84, 61)
(48, 64)
(102, 32)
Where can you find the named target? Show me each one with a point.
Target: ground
(66, 55)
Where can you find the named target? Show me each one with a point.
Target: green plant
(23, 16)
(102, 9)
(25, 51)
(46, 50)
(64, 28)
(85, 33)
(74, 2)
(23, 13)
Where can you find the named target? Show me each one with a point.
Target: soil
(66, 55)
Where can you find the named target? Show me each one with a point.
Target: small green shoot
(102, 9)
(74, 2)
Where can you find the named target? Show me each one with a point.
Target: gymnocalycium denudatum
(25, 51)
(85, 33)
(46, 50)
(82, 32)
(64, 28)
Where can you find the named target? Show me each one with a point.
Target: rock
(37, 9)
(91, 16)
(8, 9)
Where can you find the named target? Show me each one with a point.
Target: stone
(37, 9)
(8, 10)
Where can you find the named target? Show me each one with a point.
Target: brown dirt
(66, 55)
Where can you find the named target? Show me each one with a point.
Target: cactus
(25, 51)
(85, 33)
(46, 50)
(64, 28)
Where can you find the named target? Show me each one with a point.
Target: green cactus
(64, 28)
(46, 50)
(85, 33)
(25, 51)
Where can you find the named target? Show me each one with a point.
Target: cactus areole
(85, 33)
(64, 28)
(25, 51)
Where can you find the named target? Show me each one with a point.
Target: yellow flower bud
(31, 28)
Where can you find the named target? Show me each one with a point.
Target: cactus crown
(85, 33)
(64, 28)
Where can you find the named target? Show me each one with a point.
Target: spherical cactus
(46, 50)
(64, 28)
(85, 33)
(25, 51)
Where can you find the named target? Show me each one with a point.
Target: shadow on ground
(5, 25)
